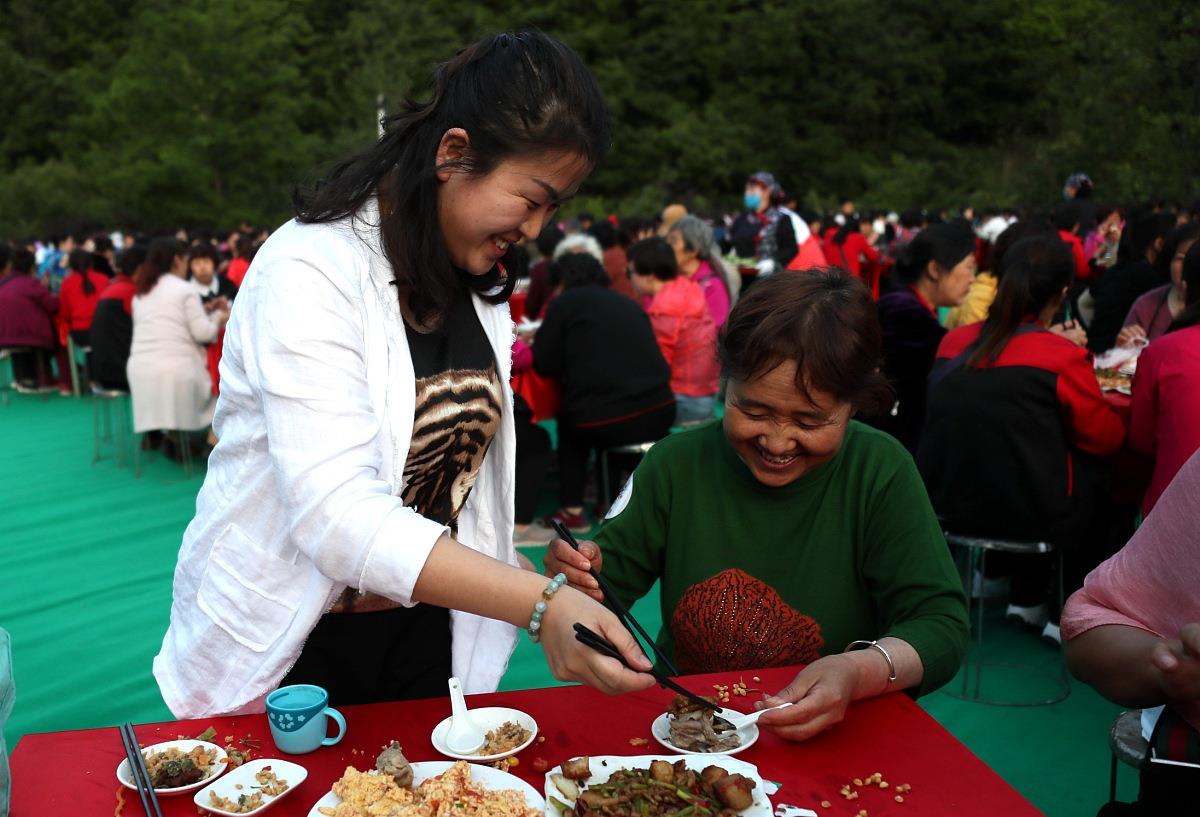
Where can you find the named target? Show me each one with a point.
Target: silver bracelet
(864, 645)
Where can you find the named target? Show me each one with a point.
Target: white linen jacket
(301, 498)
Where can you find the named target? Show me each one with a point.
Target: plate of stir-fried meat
(652, 786)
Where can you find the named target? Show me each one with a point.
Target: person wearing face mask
(789, 531)
(767, 230)
(933, 270)
(366, 417)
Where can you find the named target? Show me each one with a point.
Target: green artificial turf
(87, 553)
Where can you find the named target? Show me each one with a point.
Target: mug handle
(340, 721)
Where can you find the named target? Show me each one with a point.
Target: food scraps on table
(662, 790)
(450, 794)
(694, 729)
(172, 767)
(507, 737)
(269, 785)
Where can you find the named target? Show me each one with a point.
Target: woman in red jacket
(78, 297)
(1015, 425)
(683, 327)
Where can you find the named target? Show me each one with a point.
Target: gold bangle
(864, 645)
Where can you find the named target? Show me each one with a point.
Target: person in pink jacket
(683, 326)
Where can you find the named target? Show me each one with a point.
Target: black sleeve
(548, 351)
(226, 288)
(785, 241)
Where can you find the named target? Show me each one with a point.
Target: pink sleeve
(1151, 582)
(717, 298)
(522, 356)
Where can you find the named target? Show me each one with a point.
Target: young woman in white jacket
(355, 526)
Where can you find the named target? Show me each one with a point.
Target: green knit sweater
(753, 575)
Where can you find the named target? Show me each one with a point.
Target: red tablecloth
(75, 772)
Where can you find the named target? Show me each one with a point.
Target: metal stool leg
(602, 500)
(96, 401)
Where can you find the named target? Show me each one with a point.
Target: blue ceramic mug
(298, 716)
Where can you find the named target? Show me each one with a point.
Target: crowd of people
(879, 378)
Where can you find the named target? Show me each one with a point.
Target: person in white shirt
(363, 484)
(167, 367)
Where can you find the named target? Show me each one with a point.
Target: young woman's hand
(570, 660)
(1072, 331)
(819, 696)
(562, 558)
(1131, 335)
(1178, 662)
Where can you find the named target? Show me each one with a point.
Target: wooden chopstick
(610, 596)
(600, 644)
(138, 771)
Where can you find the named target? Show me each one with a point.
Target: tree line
(152, 114)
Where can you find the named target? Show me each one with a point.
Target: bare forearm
(459, 578)
(1115, 660)
(873, 669)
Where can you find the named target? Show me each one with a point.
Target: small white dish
(243, 776)
(661, 730)
(488, 718)
(485, 776)
(125, 774)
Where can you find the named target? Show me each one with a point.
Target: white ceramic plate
(661, 729)
(603, 766)
(243, 775)
(125, 774)
(488, 718)
(483, 775)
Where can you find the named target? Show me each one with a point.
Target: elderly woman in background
(790, 530)
(27, 310)
(698, 257)
(167, 368)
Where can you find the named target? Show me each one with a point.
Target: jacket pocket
(248, 592)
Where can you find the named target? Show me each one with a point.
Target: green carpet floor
(87, 553)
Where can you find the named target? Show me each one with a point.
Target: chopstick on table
(138, 771)
(610, 596)
(600, 644)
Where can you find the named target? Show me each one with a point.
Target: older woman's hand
(575, 564)
(819, 696)
(1178, 662)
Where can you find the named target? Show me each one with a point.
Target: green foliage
(160, 113)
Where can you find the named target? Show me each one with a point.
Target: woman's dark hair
(654, 256)
(825, 322)
(1190, 316)
(604, 233)
(947, 244)
(80, 262)
(515, 94)
(548, 239)
(23, 261)
(5, 255)
(1143, 232)
(579, 269)
(1182, 234)
(160, 256)
(1012, 234)
(203, 249)
(132, 258)
(1034, 272)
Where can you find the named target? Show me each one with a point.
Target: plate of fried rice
(439, 789)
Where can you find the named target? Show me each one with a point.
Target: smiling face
(780, 434)
(481, 215)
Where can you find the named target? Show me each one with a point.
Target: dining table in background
(75, 772)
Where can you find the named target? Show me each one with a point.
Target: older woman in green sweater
(790, 532)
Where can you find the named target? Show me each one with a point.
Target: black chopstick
(600, 644)
(138, 771)
(610, 596)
